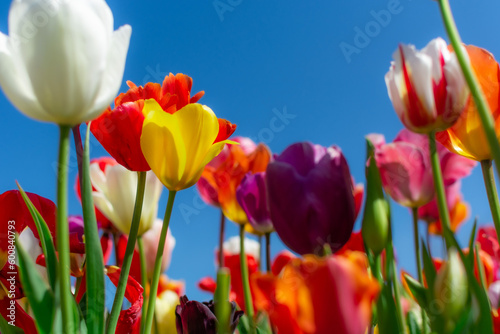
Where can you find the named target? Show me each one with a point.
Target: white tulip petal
(66, 60)
(113, 74)
(15, 83)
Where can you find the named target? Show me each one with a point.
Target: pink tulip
(406, 171)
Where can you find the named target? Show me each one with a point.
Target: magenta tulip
(252, 196)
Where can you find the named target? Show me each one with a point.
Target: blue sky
(256, 59)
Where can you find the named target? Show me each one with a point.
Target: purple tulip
(311, 197)
(252, 196)
(194, 317)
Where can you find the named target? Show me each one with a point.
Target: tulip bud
(375, 228)
(450, 287)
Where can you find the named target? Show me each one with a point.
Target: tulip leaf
(46, 241)
(464, 320)
(413, 326)
(40, 297)
(5, 328)
(429, 268)
(94, 311)
(470, 256)
(418, 291)
(244, 325)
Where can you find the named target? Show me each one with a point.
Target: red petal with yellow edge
(226, 129)
(8, 272)
(129, 318)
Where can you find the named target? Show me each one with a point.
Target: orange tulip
(466, 137)
(313, 293)
(225, 176)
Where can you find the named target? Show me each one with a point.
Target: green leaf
(244, 325)
(38, 292)
(413, 325)
(46, 241)
(429, 269)
(263, 323)
(418, 291)
(95, 264)
(5, 328)
(472, 237)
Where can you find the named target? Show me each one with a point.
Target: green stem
(491, 191)
(62, 230)
(393, 273)
(129, 253)
(417, 258)
(475, 89)
(246, 281)
(259, 238)
(444, 214)
(268, 253)
(157, 268)
(221, 299)
(144, 278)
(417, 244)
(221, 238)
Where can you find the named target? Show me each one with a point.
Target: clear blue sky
(256, 57)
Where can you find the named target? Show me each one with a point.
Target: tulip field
(289, 227)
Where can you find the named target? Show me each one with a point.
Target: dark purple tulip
(192, 317)
(252, 196)
(311, 197)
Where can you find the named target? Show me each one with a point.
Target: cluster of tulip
(158, 135)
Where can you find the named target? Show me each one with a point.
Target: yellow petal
(162, 145)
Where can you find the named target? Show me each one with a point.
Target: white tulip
(62, 62)
(115, 192)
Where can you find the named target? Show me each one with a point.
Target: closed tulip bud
(451, 288)
(375, 228)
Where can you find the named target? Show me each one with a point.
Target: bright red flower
(313, 294)
(119, 130)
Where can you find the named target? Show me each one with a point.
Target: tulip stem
(268, 252)
(475, 89)
(444, 214)
(417, 244)
(157, 268)
(62, 230)
(417, 258)
(129, 253)
(491, 191)
(392, 272)
(245, 281)
(221, 238)
(221, 300)
(144, 278)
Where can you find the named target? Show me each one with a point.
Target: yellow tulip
(178, 146)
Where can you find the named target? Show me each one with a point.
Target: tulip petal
(15, 81)
(113, 74)
(161, 133)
